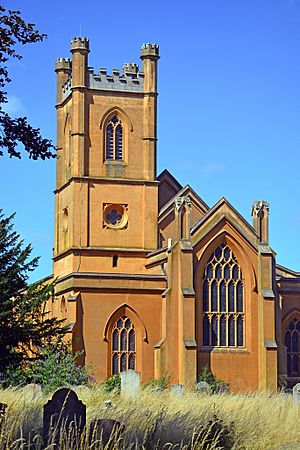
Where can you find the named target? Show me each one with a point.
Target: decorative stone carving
(180, 201)
(258, 206)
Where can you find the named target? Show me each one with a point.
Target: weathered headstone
(33, 389)
(130, 384)
(203, 388)
(3, 379)
(64, 417)
(222, 388)
(3, 407)
(296, 393)
(177, 389)
(107, 431)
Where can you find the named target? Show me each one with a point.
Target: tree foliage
(14, 30)
(55, 367)
(25, 322)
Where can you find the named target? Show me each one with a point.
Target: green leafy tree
(14, 30)
(25, 323)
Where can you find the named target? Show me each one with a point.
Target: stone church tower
(150, 277)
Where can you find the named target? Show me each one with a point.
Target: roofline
(179, 193)
(214, 209)
(175, 181)
(286, 269)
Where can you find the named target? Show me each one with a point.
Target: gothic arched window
(123, 345)
(223, 300)
(114, 139)
(292, 336)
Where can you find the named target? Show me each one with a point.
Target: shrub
(157, 384)
(112, 384)
(215, 384)
(55, 367)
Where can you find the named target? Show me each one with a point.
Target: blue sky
(229, 103)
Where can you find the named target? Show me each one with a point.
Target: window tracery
(123, 345)
(223, 300)
(114, 139)
(292, 336)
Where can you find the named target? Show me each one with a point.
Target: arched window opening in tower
(123, 345)
(223, 300)
(114, 139)
(292, 337)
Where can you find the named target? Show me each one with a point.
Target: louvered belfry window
(223, 300)
(123, 345)
(114, 139)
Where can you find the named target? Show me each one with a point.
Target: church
(149, 277)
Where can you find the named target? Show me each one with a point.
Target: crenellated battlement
(66, 88)
(150, 51)
(63, 64)
(130, 68)
(131, 79)
(80, 43)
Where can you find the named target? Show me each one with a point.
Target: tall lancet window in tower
(123, 345)
(114, 139)
(223, 300)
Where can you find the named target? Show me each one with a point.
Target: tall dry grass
(162, 420)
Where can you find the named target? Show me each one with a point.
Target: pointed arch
(119, 112)
(237, 249)
(245, 286)
(290, 315)
(291, 340)
(125, 333)
(125, 310)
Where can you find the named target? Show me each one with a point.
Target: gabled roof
(168, 187)
(186, 190)
(167, 177)
(214, 209)
(235, 219)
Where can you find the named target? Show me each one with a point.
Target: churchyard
(136, 418)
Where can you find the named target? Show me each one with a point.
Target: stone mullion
(119, 351)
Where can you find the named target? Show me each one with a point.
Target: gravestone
(177, 389)
(34, 389)
(3, 407)
(203, 388)
(130, 384)
(107, 431)
(296, 393)
(64, 415)
(222, 388)
(3, 379)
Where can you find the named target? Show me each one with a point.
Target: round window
(115, 216)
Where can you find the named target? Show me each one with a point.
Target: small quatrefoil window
(115, 216)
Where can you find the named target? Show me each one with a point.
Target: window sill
(224, 350)
(117, 162)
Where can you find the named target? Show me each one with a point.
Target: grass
(256, 421)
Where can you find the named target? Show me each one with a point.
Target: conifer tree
(25, 322)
